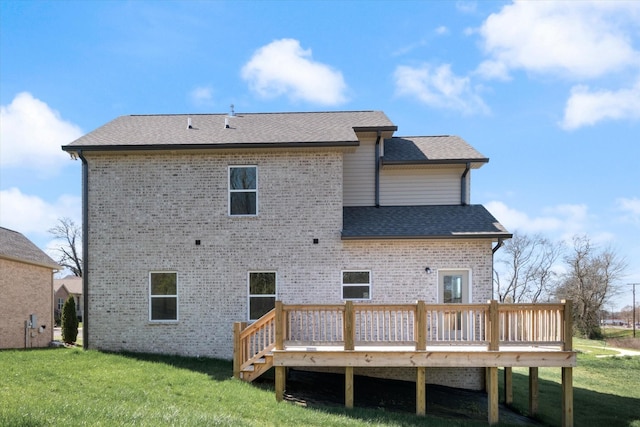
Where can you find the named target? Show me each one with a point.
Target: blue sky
(549, 91)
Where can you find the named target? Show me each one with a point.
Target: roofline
(431, 237)
(434, 161)
(25, 261)
(232, 146)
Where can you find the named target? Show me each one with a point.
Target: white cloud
(586, 107)
(630, 208)
(562, 221)
(438, 87)
(31, 135)
(283, 68)
(202, 95)
(32, 215)
(442, 30)
(577, 39)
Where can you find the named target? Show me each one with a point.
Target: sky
(549, 91)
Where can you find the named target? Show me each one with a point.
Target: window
(163, 296)
(262, 293)
(243, 190)
(356, 285)
(60, 303)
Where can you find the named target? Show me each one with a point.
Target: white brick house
(193, 222)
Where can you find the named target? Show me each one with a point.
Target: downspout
(85, 251)
(378, 170)
(493, 272)
(463, 184)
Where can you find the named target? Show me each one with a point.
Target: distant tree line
(536, 269)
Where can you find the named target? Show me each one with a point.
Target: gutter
(85, 250)
(378, 160)
(463, 184)
(498, 246)
(232, 146)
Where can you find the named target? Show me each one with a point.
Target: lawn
(74, 387)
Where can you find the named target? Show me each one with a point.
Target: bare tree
(527, 271)
(71, 235)
(591, 280)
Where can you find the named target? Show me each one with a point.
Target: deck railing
(348, 325)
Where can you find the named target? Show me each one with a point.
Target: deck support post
(494, 326)
(421, 390)
(348, 387)
(492, 391)
(533, 391)
(508, 385)
(281, 382)
(237, 350)
(567, 397)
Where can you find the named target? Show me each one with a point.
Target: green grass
(72, 387)
(606, 391)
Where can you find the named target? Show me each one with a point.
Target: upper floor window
(243, 190)
(163, 296)
(356, 285)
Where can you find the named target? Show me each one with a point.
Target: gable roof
(445, 149)
(421, 222)
(15, 247)
(153, 132)
(73, 284)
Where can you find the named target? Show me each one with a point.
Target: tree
(527, 271)
(69, 321)
(71, 235)
(591, 280)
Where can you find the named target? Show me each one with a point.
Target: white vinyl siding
(420, 186)
(359, 175)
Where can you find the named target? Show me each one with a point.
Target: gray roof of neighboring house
(72, 283)
(430, 149)
(421, 222)
(16, 247)
(139, 132)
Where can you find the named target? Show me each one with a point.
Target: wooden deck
(417, 336)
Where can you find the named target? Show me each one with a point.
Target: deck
(417, 336)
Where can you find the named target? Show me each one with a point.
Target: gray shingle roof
(421, 222)
(208, 130)
(72, 283)
(16, 247)
(429, 149)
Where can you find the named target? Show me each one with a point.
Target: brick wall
(25, 289)
(146, 212)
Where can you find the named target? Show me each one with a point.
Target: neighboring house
(193, 222)
(62, 288)
(26, 287)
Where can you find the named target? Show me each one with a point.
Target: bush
(69, 321)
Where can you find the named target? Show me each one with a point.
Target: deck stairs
(253, 347)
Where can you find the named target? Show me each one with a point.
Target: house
(26, 287)
(326, 241)
(197, 221)
(62, 289)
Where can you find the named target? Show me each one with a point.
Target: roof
(140, 132)
(72, 283)
(421, 222)
(430, 149)
(14, 246)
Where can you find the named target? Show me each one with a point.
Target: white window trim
(250, 295)
(229, 190)
(469, 289)
(176, 296)
(342, 285)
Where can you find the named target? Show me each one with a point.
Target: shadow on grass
(216, 369)
(591, 408)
